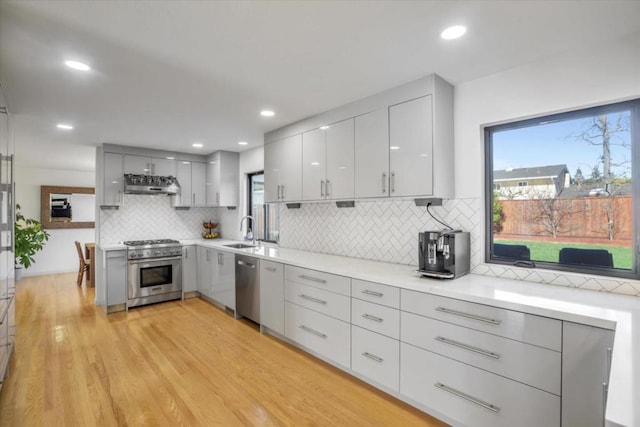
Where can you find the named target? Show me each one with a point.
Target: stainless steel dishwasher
(248, 287)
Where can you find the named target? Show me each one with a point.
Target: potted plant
(30, 238)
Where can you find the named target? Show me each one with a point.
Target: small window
(560, 191)
(266, 224)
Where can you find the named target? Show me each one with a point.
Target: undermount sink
(239, 246)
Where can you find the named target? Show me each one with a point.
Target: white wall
(600, 75)
(59, 254)
(250, 161)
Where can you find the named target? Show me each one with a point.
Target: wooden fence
(590, 220)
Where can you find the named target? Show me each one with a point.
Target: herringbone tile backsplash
(382, 230)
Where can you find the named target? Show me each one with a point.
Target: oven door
(157, 276)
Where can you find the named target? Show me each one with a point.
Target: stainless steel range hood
(150, 184)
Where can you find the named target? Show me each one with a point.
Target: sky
(555, 143)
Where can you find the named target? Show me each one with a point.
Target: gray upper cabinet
(192, 178)
(397, 143)
(143, 165)
(283, 169)
(113, 174)
(222, 174)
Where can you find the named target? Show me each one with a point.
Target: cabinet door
(189, 272)
(291, 164)
(272, 172)
(411, 148)
(372, 154)
(272, 295)
(340, 161)
(139, 165)
(163, 167)
(113, 179)
(116, 277)
(213, 191)
(224, 278)
(586, 361)
(198, 184)
(228, 178)
(314, 166)
(204, 271)
(184, 179)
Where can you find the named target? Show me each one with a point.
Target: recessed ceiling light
(186, 163)
(64, 126)
(315, 163)
(394, 147)
(243, 143)
(267, 113)
(324, 127)
(170, 158)
(453, 32)
(197, 145)
(77, 65)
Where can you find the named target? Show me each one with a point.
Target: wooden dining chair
(84, 264)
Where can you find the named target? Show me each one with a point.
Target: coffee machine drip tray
(436, 274)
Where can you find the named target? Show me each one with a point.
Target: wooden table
(90, 254)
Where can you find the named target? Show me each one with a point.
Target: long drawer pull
(246, 264)
(374, 318)
(373, 357)
(469, 316)
(307, 297)
(313, 279)
(465, 396)
(312, 331)
(270, 268)
(468, 347)
(372, 293)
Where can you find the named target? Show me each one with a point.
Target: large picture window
(560, 191)
(266, 224)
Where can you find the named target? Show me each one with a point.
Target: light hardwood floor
(182, 363)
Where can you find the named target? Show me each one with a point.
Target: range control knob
(133, 255)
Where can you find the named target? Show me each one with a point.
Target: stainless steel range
(154, 271)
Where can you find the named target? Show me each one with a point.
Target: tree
(553, 215)
(498, 214)
(604, 131)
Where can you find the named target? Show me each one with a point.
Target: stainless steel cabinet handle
(313, 279)
(372, 293)
(186, 253)
(370, 317)
(469, 316)
(279, 191)
(326, 188)
(217, 198)
(149, 261)
(609, 356)
(322, 188)
(208, 255)
(221, 259)
(316, 300)
(284, 196)
(373, 357)
(468, 347)
(193, 199)
(605, 393)
(465, 396)
(384, 182)
(312, 331)
(270, 268)
(246, 264)
(392, 184)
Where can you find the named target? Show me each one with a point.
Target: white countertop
(609, 311)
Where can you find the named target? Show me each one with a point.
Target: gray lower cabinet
(223, 277)
(586, 362)
(272, 295)
(115, 280)
(203, 272)
(189, 269)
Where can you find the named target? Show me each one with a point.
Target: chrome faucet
(253, 236)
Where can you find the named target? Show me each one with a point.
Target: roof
(528, 173)
(597, 189)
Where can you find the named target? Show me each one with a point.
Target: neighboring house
(541, 182)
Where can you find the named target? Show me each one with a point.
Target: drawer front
(376, 292)
(376, 318)
(376, 357)
(329, 337)
(318, 279)
(528, 328)
(334, 305)
(529, 364)
(472, 396)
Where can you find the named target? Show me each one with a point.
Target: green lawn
(549, 251)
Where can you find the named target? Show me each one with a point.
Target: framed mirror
(67, 207)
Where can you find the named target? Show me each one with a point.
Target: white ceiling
(168, 73)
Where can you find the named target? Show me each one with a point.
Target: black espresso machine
(444, 254)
